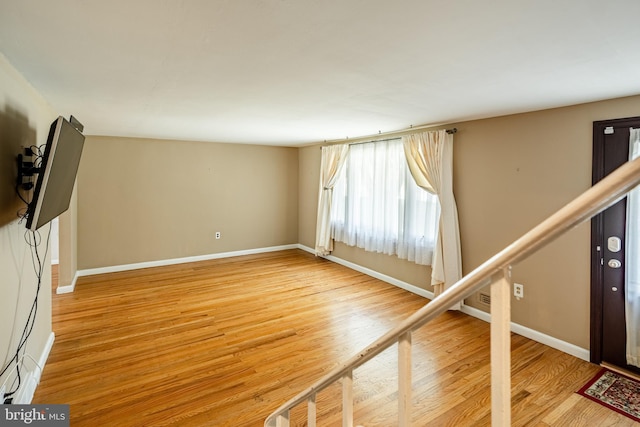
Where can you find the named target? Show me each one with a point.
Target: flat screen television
(57, 173)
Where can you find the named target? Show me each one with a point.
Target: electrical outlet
(518, 290)
(217, 235)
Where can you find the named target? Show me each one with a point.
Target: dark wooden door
(608, 327)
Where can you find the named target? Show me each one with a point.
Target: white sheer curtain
(332, 161)
(430, 159)
(379, 208)
(632, 268)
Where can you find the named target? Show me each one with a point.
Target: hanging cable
(33, 240)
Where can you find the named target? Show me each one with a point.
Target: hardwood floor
(224, 342)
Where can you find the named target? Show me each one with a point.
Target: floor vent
(484, 298)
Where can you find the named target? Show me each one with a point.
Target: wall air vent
(484, 298)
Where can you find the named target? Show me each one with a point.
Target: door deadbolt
(614, 244)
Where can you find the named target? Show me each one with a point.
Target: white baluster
(311, 411)
(283, 420)
(404, 380)
(347, 399)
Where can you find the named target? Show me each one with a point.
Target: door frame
(597, 236)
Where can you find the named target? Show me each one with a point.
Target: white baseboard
(27, 389)
(574, 350)
(532, 334)
(160, 263)
(306, 248)
(67, 289)
(369, 272)
(391, 280)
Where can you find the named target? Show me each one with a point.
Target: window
(378, 206)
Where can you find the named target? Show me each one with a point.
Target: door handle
(614, 263)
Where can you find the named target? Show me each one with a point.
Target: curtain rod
(372, 138)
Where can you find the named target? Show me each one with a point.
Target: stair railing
(495, 271)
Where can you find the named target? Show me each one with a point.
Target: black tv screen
(57, 174)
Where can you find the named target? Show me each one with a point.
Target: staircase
(496, 272)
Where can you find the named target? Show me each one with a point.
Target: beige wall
(146, 200)
(510, 173)
(308, 185)
(68, 242)
(24, 120)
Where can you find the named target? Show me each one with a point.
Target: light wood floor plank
(224, 342)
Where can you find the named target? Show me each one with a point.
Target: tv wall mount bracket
(26, 170)
(26, 166)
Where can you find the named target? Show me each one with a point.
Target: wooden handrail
(596, 199)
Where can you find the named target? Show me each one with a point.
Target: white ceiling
(290, 72)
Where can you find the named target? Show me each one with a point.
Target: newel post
(501, 350)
